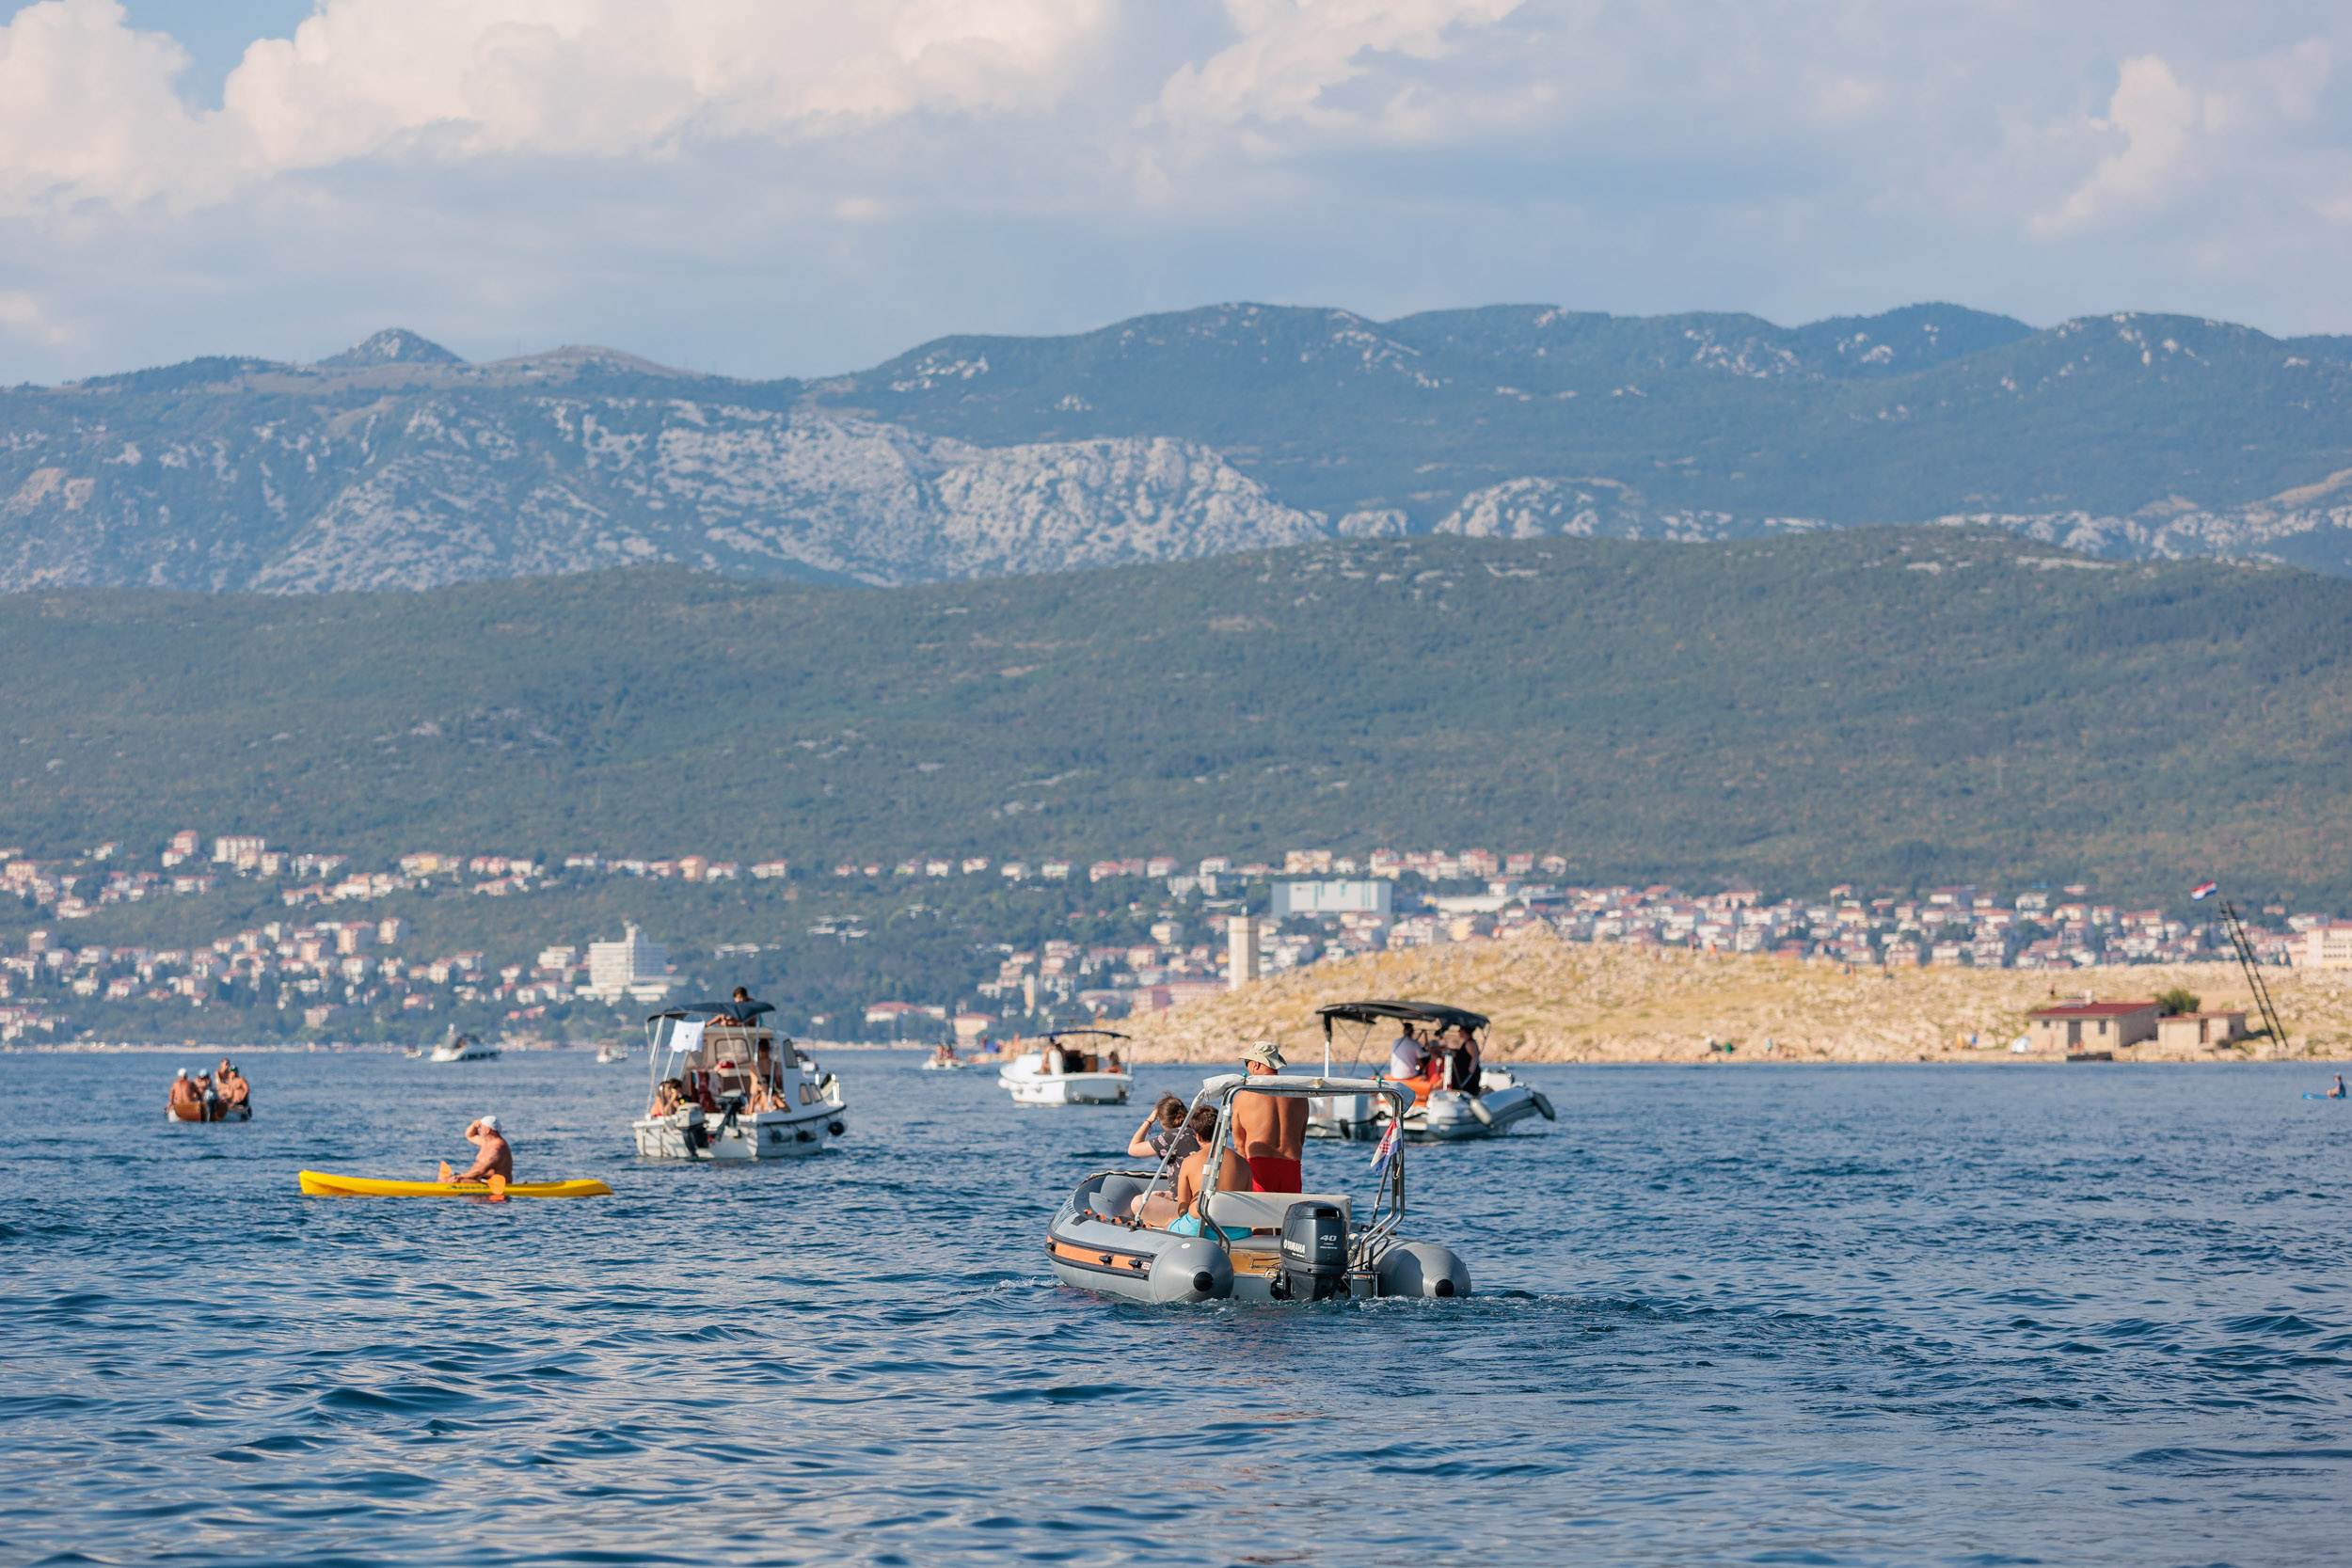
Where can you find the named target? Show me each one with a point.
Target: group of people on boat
(1432, 1058)
(1063, 1057)
(739, 1086)
(220, 1095)
(1265, 1153)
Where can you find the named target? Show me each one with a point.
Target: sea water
(1765, 1314)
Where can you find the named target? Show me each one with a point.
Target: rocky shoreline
(1555, 1001)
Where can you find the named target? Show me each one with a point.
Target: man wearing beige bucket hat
(1270, 1131)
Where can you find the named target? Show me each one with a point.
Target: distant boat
(464, 1048)
(1062, 1073)
(611, 1051)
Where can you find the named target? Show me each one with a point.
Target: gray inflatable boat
(1111, 1236)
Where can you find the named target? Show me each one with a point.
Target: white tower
(1241, 934)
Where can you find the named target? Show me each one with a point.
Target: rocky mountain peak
(394, 345)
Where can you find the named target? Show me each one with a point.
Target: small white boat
(463, 1047)
(1476, 1101)
(943, 1059)
(610, 1052)
(725, 1087)
(1062, 1073)
(1119, 1233)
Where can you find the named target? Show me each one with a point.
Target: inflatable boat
(1113, 1235)
(1462, 1099)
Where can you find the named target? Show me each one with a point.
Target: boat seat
(1266, 1211)
(1116, 1196)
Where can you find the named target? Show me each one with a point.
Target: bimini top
(1401, 1012)
(1073, 1034)
(748, 1011)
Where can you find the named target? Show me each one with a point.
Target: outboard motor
(1315, 1252)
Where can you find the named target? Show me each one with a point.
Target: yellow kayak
(320, 1184)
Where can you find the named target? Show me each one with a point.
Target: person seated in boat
(1460, 1048)
(1162, 1135)
(1232, 1174)
(235, 1093)
(2337, 1091)
(1270, 1129)
(188, 1100)
(1110, 1063)
(1415, 1063)
(668, 1097)
(496, 1156)
(731, 1082)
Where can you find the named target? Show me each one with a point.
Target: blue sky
(771, 187)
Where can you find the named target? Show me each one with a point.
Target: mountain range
(397, 465)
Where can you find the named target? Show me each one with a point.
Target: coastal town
(333, 953)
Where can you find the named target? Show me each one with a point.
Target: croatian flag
(2202, 889)
(1388, 1141)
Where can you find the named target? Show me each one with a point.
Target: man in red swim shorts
(1270, 1129)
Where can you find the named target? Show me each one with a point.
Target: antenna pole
(2243, 948)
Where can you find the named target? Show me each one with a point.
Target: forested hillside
(1891, 706)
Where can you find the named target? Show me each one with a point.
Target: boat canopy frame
(1440, 1014)
(1366, 1241)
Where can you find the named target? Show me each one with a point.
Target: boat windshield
(721, 1066)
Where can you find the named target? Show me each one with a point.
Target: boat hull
(793, 1134)
(319, 1183)
(1104, 1255)
(1073, 1088)
(1448, 1117)
(234, 1113)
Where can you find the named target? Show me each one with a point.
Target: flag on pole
(1388, 1141)
(2203, 890)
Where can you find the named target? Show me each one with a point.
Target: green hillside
(1898, 707)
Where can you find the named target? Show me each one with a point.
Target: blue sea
(1770, 1315)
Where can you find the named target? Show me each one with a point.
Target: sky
(798, 188)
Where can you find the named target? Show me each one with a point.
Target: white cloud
(805, 184)
(2157, 122)
(87, 109)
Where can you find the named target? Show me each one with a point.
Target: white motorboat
(725, 1086)
(943, 1059)
(610, 1052)
(1119, 1233)
(1465, 1099)
(463, 1047)
(1061, 1072)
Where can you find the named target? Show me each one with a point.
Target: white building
(630, 967)
(1332, 898)
(2327, 945)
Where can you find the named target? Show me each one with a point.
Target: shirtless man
(496, 1159)
(234, 1091)
(1270, 1129)
(188, 1100)
(1232, 1173)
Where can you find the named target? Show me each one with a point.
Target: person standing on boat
(496, 1159)
(1270, 1129)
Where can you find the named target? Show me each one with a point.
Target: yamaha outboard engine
(1315, 1252)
